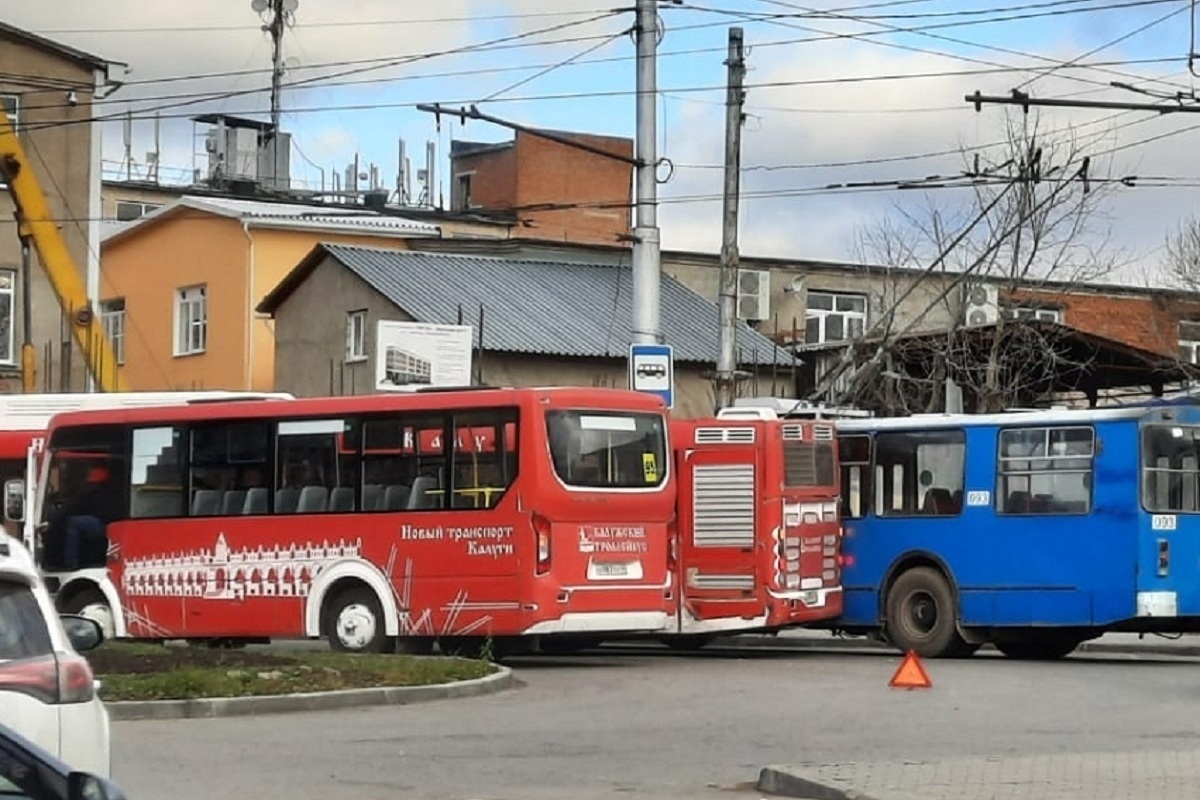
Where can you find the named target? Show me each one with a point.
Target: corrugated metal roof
(545, 307)
(292, 216)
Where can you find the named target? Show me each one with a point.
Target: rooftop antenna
(282, 15)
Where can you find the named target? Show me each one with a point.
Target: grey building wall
(310, 351)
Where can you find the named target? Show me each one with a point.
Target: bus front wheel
(355, 623)
(92, 604)
(922, 615)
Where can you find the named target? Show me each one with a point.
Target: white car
(47, 690)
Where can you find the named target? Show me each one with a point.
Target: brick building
(557, 191)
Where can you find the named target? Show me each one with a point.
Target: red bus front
(350, 518)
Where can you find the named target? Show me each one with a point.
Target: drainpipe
(249, 307)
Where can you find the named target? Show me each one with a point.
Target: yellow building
(178, 286)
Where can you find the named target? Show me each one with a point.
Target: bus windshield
(1170, 464)
(611, 450)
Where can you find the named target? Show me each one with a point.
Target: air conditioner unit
(754, 294)
(981, 304)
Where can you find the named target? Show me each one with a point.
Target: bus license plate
(611, 570)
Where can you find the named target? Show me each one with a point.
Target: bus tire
(922, 615)
(354, 622)
(1037, 645)
(92, 603)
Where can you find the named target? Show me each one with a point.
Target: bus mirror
(14, 500)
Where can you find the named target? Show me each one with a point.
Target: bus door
(718, 526)
(1168, 575)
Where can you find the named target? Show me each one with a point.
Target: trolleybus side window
(919, 473)
(231, 465)
(1045, 471)
(156, 479)
(85, 483)
(855, 458)
(484, 459)
(1170, 464)
(599, 449)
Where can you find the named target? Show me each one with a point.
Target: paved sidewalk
(1148, 775)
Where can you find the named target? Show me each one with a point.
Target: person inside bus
(86, 516)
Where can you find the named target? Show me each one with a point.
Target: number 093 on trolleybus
(352, 518)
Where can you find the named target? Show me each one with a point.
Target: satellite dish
(258, 6)
(290, 5)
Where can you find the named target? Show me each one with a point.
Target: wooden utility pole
(735, 97)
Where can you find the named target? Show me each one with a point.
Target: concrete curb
(835, 643)
(786, 783)
(211, 707)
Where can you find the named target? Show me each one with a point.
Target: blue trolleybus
(1031, 530)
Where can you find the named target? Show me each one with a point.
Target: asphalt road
(662, 725)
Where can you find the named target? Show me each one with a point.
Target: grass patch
(158, 672)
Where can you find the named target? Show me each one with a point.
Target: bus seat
(419, 497)
(286, 500)
(396, 497)
(233, 502)
(256, 501)
(372, 497)
(341, 499)
(1018, 503)
(206, 502)
(940, 502)
(313, 500)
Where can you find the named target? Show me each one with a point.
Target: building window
(191, 320)
(8, 283)
(1041, 314)
(12, 107)
(131, 209)
(1189, 341)
(464, 191)
(356, 336)
(834, 317)
(112, 316)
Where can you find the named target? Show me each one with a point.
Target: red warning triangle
(910, 674)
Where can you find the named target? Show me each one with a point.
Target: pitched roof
(533, 307)
(292, 216)
(13, 32)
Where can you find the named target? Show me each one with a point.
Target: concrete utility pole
(736, 96)
(647, 269)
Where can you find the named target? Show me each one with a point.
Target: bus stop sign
(652, 370)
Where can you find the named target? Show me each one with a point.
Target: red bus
(24, 419)
(347, 517)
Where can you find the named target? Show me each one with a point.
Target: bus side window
(482, 469)
(313, 475)
(229, 468)
(156, 482)
(402, 460)
(854, 454)
(1045, 470)
(923, 472)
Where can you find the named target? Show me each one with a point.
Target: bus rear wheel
(354, 623)
(1037, 645)
(922, 614)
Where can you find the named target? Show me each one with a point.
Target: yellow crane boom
(35, 223)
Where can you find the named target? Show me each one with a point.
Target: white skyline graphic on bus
(225, 574)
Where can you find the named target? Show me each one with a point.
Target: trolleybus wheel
(922, 615)
(355, 624)
(90, 603)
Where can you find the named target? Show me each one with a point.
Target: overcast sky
(886, 89)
